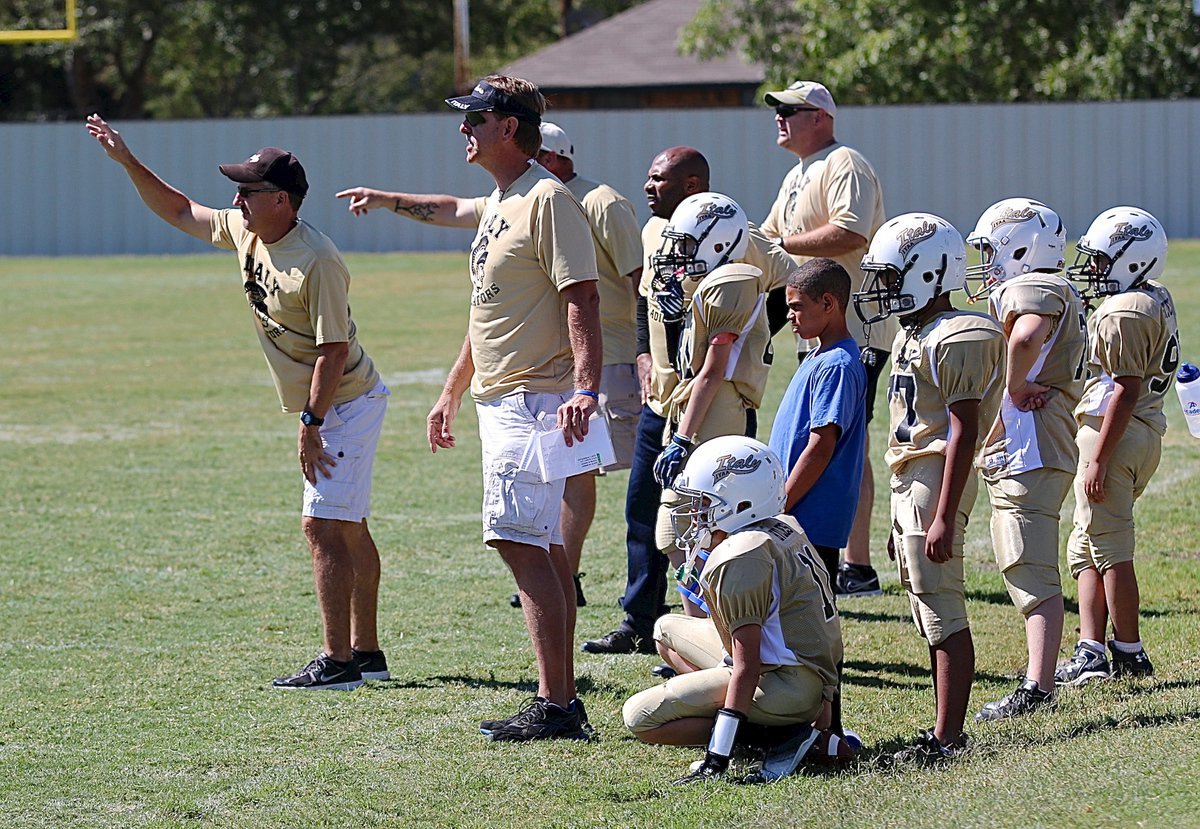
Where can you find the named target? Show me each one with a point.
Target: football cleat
(322, 674)
(1130, 664)
(929, 749)
(1085, 665)
(1027, 698)
(783, 759)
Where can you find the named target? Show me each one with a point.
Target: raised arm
(170, 205)
(432, 208)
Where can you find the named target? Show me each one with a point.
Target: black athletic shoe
(1130, 664)
(1085, 665)
(857, 580)
(322, 674)
(372, 664)
(929, 749)
(488, 726)
(580, 599)
(543, 720)
(621, 640)
(664, 671)
(1025, 700)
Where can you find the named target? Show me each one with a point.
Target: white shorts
(517, 504)
(351, 434)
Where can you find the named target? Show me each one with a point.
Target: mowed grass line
(153, 580)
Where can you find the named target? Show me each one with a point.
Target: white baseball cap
(554, 140)
(803, 93)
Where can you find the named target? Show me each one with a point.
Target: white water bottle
(1187, 385)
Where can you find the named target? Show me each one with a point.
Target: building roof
(637, 48)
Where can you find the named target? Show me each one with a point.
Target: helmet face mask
(1015, 237)
(1122, 249)
(913, 259)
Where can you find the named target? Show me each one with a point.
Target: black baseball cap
(487, 98)
(273, 166)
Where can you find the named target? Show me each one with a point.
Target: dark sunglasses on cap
(246, 192)
(785, 111)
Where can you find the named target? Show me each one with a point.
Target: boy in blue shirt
(820, 429)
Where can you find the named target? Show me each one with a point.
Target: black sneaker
(543, 720)
(857, 580)
(1086, 664)
(928, 749)
(1025, 700)
(372, 664)
(322, 674)
(621, 640)
(580, 599)
(488, 726)
(1130, 664)
(664, 671)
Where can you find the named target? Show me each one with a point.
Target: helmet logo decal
(715, 210)
(910, 237)
(1127, 232)
(1014, 215)
(729, 465)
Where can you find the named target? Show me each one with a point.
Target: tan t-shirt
(772, 262)
(769, 574)
(298, 291)
(1133, 334)
(1022, 441)
(957, 355)
(618, 253)
(533, 241)
(837, 186)
(728, 300)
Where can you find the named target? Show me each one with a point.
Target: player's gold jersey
(769, 574)
(1022, 441)
(957, 355)
(773, 263)
(728, 300)
(1133, 334)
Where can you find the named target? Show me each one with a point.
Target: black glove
(720, 747)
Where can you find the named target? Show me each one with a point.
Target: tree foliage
(218, 58)
(904, 51)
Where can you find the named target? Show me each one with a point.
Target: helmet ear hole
(743, 506)
(1019, 253)
(929, 276)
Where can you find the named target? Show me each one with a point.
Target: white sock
(1092, 644)
(1127, 647)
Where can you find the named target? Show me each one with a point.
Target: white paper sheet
(557, 460)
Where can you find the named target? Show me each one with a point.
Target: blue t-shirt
(830, 386)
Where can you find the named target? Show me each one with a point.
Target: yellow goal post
(67, 32)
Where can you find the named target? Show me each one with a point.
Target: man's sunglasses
(789, 111)
(246, 192)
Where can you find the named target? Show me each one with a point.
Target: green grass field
(153, 580)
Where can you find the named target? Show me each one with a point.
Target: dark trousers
(646, 581)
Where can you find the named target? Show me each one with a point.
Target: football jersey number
(904, 388)
(808, 559)
(1170, 362)
(1082, 367)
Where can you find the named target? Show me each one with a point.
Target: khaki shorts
(351, 434)
(1104, 533)
(785, 695)
(1025, 517)
(621, 406)
(517, 504)
(936, 592)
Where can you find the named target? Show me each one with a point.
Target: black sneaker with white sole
(1130, 664)
(488, 726)
(1027, 698)
(857, 580)
(1085, 665)
(322, 674)
(372, 664)
(543, 720)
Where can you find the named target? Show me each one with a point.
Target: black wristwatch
(310, 419)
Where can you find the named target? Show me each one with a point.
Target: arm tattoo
(422, 211)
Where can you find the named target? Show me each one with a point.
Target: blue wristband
(586, 393)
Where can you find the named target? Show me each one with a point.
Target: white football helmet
(706, 231)
(1014, 237)
(1123, 248)
(912, 260)
(730, 481)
